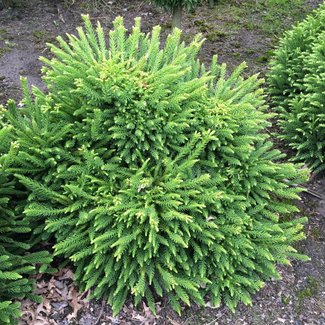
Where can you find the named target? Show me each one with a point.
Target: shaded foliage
(297, 87)
(15, 240)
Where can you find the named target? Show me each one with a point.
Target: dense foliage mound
(15, 264)
(153, 172)
(297, 86)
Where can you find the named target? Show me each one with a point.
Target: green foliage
(176, 7)
(297, 86)
(15, 264)
(153, 172)
(171, 4)
(10, 3)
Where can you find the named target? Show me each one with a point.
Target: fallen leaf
(74, 303)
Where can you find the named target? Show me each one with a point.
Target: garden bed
(236, 31)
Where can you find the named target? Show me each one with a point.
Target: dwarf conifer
(153, 172)
(297, 87)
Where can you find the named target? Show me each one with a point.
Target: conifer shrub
(16, 264)
(153, 172)
(297, 85)
(176, 7)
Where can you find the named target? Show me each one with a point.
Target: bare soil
(235, 30)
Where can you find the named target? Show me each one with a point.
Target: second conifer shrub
(176, 7)
(16, 262)
(297, 88)
(153, 172)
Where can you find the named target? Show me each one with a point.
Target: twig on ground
(100, 313)
(315, 194)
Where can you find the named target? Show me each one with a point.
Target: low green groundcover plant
(153, 172)
(297, 88)
(15, 263)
